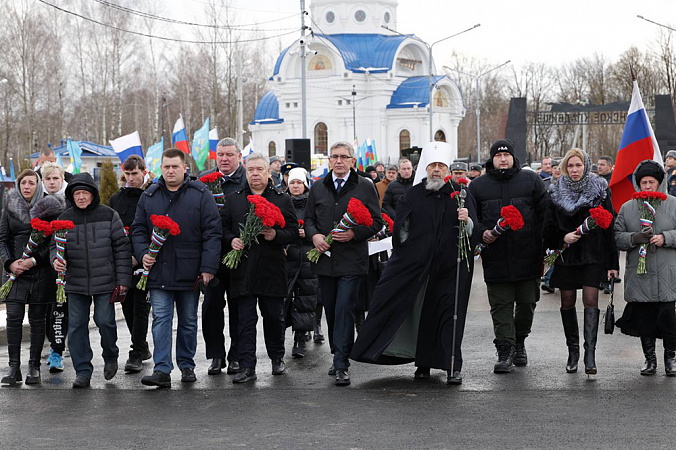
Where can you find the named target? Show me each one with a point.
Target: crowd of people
(407, 305)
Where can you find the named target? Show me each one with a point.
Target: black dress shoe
(332, 371)
(278, 366)
(342, 377)
(217, 364)
(109, 370)
(134, 364)
(455, 378)
(422, 373)
(158, 378)
(233, 367)
(547, 288)
(188, 375)
(146, 355)
(80, 382)
(245, 375)
(33, 375)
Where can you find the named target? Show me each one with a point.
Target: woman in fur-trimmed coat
(590, 259)
(35, 283)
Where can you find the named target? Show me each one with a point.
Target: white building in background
(390, 75)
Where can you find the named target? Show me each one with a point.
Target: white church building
(349, 49)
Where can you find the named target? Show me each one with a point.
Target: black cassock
(411, 315)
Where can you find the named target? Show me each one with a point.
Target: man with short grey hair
(275, 166)
(229, 163)
(343, 264)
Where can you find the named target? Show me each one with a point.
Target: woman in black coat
(35, 283)
(591, 258)
(303, 310)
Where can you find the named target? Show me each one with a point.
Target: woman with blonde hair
(590, 259)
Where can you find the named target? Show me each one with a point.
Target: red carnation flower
(511, 217)
(165, 223)
(448, 178)
(41, 225)
(602, 217)
(58, 225)
(388, 222)
(301, 223)
(211, 177)
(455, 194)
(647, 195)
(463, 181)
(359, 212)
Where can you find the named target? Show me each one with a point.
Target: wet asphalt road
(539, 406)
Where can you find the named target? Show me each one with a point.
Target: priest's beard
(434, 184)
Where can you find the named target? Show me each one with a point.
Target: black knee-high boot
(14, 373)
(650, 366)
(591, 329)
(572, 333)
(33, 375)
(36, 318)
(318, 335)
(670, 355)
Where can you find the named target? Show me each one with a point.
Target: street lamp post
(431, 65)
(478, 102)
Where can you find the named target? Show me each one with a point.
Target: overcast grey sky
(521, 30)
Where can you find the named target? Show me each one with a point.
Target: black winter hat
(370, 169)
(503, 145)
(652, 169)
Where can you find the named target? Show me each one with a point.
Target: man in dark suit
(229, 163)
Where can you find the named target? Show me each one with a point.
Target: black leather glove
(642, 237)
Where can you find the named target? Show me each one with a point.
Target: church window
(321, 139)
(404, 140)
(440, 136)
(340, 103)
(272, 148)
(330, 16)
(360, 16)
(387, 17)
(440, 99)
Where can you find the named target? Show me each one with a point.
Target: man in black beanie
(512, 262)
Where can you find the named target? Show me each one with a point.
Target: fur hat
(652, 169)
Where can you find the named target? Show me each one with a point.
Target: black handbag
(609, 318)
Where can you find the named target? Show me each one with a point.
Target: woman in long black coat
(35, 283)
(590, 259)
(303, 310)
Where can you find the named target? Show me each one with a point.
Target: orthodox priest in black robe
(411, 315)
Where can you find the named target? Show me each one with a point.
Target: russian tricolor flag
(128, 145)
(213, 142)
(638, 144)
(179, 137)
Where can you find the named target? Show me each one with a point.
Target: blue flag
(154, 157)
(75, 153)
(200, 145)
(11, 169)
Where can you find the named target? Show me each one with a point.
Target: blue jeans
(339, 296)
(78, 331)
(162, 306)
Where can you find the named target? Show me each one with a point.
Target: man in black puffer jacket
(98, 260)
(135, 308)
(396, 189)
(260, 277)
(512, 262)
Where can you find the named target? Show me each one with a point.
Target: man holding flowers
(512, 262)
(259, 276)
(184, 261)
(97, 261)
(229, 165)
(343, 262)
(414, 303)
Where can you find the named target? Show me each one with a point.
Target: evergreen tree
(108, 186)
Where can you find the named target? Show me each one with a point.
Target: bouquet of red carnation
(40, 230)
(163, 226)
(356, 214)
(262, 214)
(60, 228)
(388, 226)
(598, 217)
(213, 182)
(647, 203)
(510, 219)
(126, 231)
(301, 223)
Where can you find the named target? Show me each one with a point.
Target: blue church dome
(267, 110)
(413, 91)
